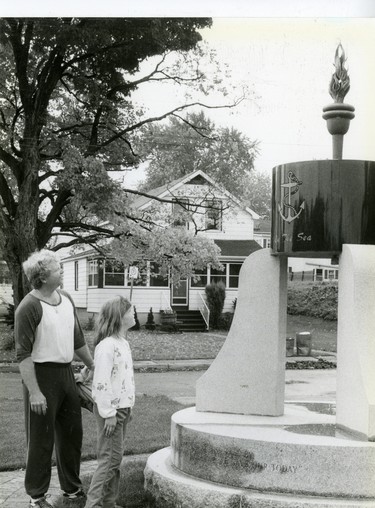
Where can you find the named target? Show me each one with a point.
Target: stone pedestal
(248, 375)
(356, 341)
(242, 461)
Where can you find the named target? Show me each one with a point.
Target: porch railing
(205, 311)
(165, 302)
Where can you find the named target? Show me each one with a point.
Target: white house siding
(79, 295)
(236, 223)
(142, 297)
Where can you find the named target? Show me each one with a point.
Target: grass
(147, 432)
(146, 345)
(150, 428)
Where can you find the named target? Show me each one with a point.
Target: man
(47, 334)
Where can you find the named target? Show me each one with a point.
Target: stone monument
(241, 446)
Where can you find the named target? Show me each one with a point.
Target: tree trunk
(21, 231)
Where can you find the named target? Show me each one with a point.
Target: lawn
(147, 432)
(150, 428)
(146, 345)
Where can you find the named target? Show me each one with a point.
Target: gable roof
(164, 190)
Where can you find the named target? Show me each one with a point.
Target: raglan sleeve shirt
(28, 328)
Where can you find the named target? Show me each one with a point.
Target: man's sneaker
(79, 494)
(40, 503)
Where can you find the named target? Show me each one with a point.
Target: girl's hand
(109, 426)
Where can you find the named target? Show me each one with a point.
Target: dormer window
(214, 214)
(180, 208)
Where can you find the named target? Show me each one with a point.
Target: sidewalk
(317, 357)
(301, 380)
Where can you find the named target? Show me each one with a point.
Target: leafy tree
(183, 145)
(67, 121)
(258, 193)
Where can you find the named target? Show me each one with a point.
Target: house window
(217, 275)
(214, 214)
(234, 274)
(179, 212)
(76, 275)
(93, 273)
(202, 281)
(156, 279)
(114, 273)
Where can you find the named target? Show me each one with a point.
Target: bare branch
(162, 117)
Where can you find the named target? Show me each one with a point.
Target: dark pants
(61, 426)
(104, 485)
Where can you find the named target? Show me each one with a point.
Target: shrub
(9, 317)
(215, 294)
(137, 326)
(150, 324)
(225, 320)
(90, 324)
(317, 300)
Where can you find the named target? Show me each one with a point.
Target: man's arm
(38, 401)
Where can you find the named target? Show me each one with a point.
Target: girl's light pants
(104, 485)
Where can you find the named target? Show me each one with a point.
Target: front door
(180, 294)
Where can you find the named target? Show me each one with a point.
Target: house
(304, 269)
(91, 280)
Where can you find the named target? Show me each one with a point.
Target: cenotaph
(242, 446)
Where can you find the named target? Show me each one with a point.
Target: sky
(284, 53)
(287, 64)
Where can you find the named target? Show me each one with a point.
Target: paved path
(309, 385)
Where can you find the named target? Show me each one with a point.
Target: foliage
(90, 323)
(317, 300)
(184, 145)
(215, 294)
(176, 251)
(68, 120)
(9, 317)
(150, 324)
(225, 321)
(6, 338)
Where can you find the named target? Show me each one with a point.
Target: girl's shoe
(79, 494)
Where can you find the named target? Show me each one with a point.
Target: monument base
(239, 461)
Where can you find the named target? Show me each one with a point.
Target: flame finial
(340, 82)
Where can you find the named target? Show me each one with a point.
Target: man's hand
(109, 426)
(38, 403)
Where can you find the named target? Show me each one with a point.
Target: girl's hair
(110, 317)
(37, 266)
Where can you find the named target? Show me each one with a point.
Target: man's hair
(37, 266)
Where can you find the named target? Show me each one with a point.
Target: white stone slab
(168, 487)
(356, 341)
(297, 453)
(248, 375)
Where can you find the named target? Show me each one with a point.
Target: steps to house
(190, 320)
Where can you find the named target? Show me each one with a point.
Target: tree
(186, 144)
(67, 121)
(194, 142)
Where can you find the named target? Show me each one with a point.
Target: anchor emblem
(292, 186)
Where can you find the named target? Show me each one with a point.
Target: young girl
(113, 393)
